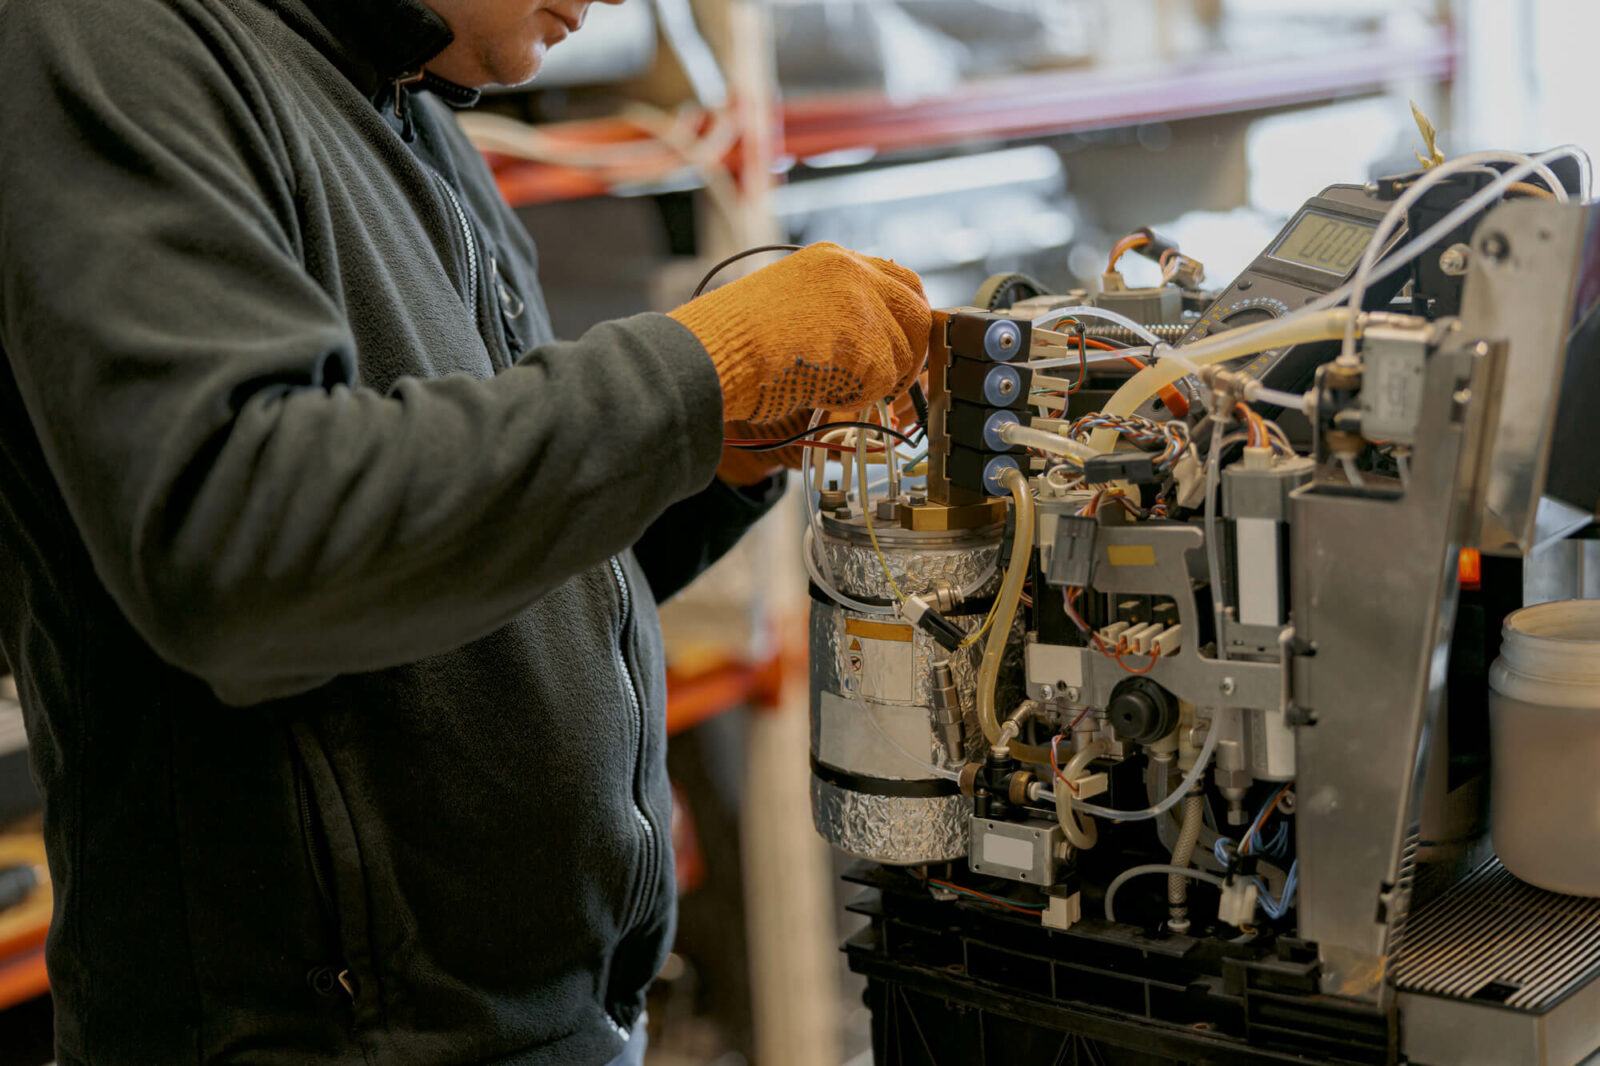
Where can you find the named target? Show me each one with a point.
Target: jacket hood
(376, 42)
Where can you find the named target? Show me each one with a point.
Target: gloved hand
(824, 327)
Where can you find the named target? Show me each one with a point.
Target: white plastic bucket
(1544, 716)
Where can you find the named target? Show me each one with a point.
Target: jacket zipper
(319, 873)
(652, 856)
(471, 240)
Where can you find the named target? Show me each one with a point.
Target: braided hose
(1167, 331)
(1178, 884)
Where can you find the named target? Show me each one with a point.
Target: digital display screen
(1324, 242)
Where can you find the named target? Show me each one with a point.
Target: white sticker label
(1260, 601)
(879, 659)
(1009, 852)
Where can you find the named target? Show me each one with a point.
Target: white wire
(1085, 311)
(1350, 472)
(1090, 360)
(1398, 210)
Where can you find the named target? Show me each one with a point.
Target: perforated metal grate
(1495, 939)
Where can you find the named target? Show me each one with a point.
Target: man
(329, 577)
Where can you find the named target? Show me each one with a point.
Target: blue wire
(1277, 845)
(1279, 907)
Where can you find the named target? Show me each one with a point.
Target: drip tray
(1495, 972)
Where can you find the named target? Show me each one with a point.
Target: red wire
(985, 897)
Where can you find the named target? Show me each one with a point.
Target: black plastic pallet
(964, 984)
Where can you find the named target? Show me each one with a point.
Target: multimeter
(1314, 254)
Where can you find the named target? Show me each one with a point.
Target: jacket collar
(381, 45)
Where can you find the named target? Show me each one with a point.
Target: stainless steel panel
(1028, 852)
(1525, 297)
(1374, 592)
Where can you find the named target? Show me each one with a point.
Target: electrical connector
(1110, 633)
(1135, 467)
(1238, 904)
(920, 613)
(1190, 475)
(1072, 560)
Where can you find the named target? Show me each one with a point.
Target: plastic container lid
(1557, 641)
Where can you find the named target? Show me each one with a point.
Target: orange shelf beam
(1036, 104)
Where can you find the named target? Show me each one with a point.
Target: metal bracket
(1154, 559)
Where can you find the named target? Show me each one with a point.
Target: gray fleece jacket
(328, 576)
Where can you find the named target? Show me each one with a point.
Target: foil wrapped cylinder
(874, 739)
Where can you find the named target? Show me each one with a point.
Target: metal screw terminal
(1455, 259)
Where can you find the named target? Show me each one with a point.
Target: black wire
(714, 271)
(896, 434)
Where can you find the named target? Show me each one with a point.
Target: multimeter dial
(1250, 312)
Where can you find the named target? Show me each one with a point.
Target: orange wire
(1127, 244)
(1099, 644)
(1261, 819)
(1257, 427)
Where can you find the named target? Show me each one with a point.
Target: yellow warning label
(1131, 554)
(860, 627)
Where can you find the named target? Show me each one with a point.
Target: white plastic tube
(1054, 443)
(1293, 401)
(1010, 595)
(1248, 340)
(1085, 311)
(1255, 339)
(1081, 832)
(1398, 210)
(808, 550)
(1154, 868)
(1479, 200)
(1189, 781)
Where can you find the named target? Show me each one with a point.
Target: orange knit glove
(823, 328)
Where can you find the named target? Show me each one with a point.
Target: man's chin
(523, 69)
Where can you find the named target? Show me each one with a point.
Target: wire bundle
(1277, 846)
(1172, 437)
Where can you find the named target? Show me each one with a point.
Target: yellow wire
(994, 607)
(866, 512)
